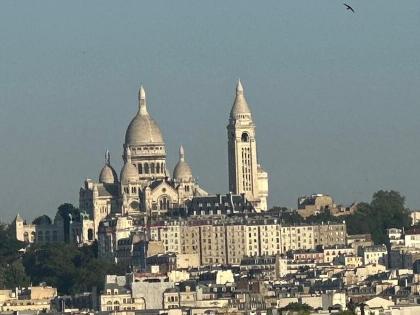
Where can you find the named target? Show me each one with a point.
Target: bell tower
(246, 176)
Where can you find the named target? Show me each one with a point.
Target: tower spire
(239, 88)
(142, 101)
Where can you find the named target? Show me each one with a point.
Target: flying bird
(348, 7)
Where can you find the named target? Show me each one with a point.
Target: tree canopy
(69, 268)
(386, 210)
(12, 272)
(298, 308)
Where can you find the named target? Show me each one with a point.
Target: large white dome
(143, 130)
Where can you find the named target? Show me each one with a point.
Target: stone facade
(227, 241)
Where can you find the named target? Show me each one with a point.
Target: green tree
(14, 275)
(386, 210)
(12, 272)
(68, 213)
(9, 246)
(68, 268)
(298, 308)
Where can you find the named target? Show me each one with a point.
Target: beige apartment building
(236, 243)
(227, 241)
(297, 237)
(329, 234)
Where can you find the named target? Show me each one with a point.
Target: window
(164, 203)
(140, 168)
(152, 168)
(146, 168)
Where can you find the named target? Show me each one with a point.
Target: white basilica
(145, 187)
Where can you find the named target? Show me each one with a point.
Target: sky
(335, 95)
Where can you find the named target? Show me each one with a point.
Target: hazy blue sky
(335, 95)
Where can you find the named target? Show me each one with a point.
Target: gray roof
(107, 190)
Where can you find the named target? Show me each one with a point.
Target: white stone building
(145, 188)
(246, 175)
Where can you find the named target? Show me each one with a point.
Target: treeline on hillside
(12, 272)
(67, 267)
(386, 210)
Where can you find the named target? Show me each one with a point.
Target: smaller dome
(129, 171)
(182, 171)
(108, 174)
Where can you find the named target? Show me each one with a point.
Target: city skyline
(328, 119)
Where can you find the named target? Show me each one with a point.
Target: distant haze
(335, 95)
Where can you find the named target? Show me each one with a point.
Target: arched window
(146, 168)
(164, 203)
(32, 236)
(245, 137)
(47, 236)
(90, 235)
(152, 168)
(140, 168)
(55, 238)
(26, 237)
(157, 168)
